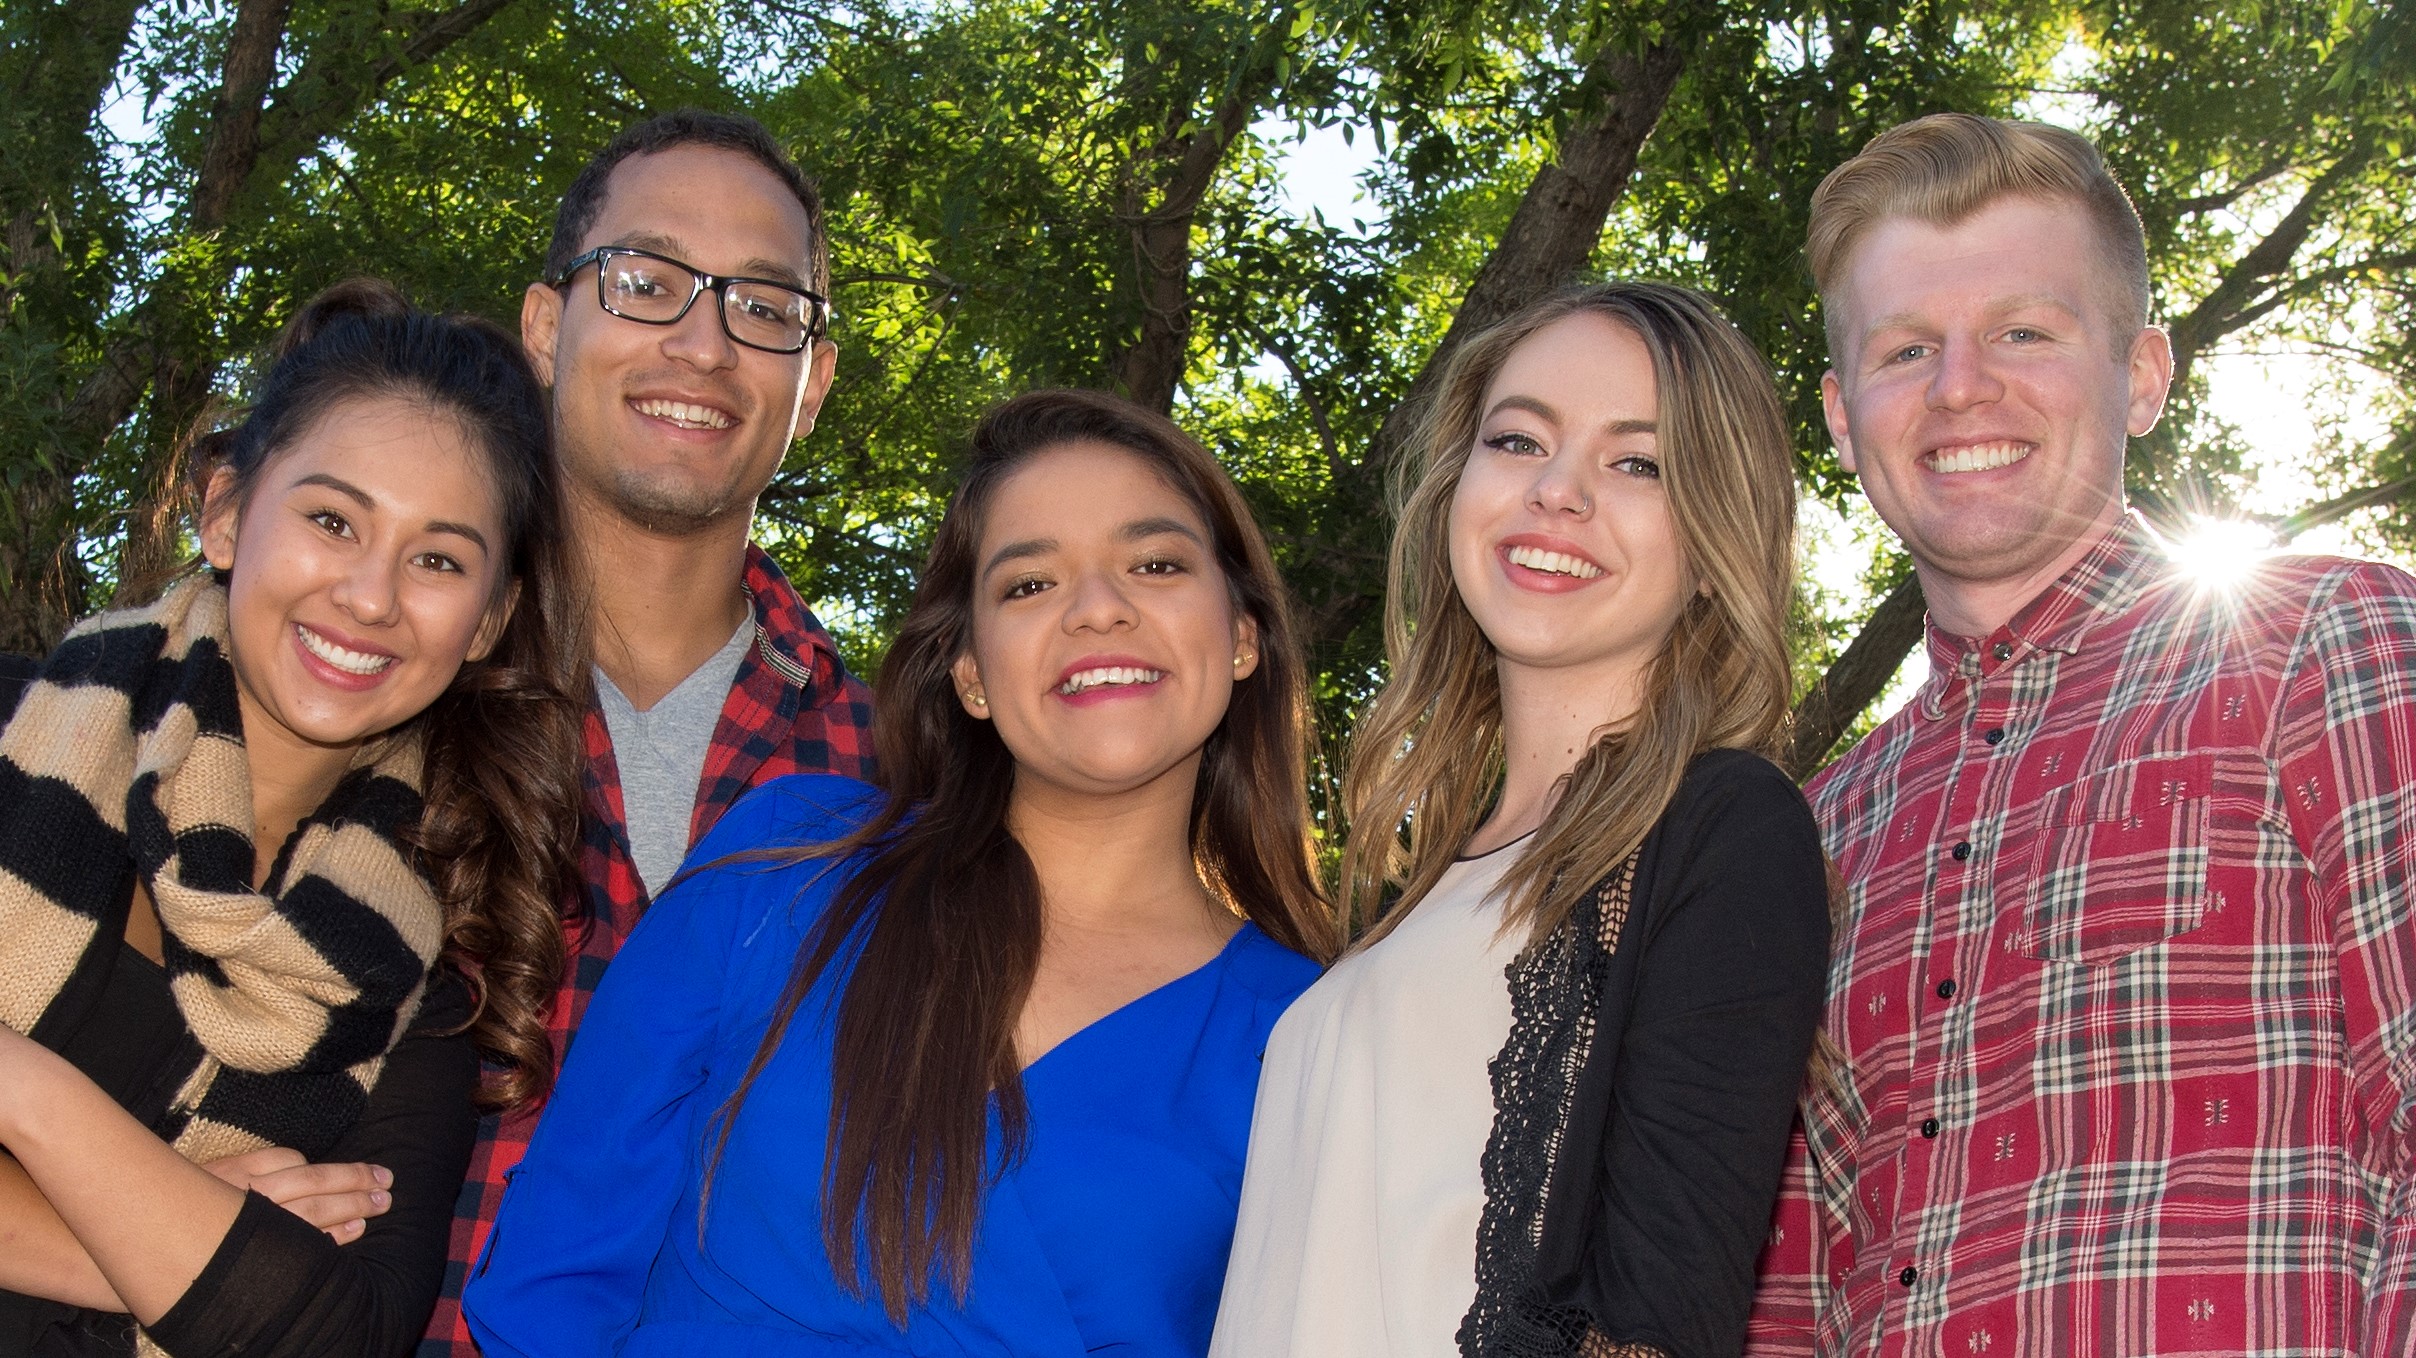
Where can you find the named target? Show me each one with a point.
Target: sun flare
(2220, 552)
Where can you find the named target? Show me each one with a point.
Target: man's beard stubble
(665, 505)
(674, 510)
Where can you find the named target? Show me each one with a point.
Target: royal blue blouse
(1109, 1234)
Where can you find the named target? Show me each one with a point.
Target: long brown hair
(1426, 761)
(943, 909)
(498, 835)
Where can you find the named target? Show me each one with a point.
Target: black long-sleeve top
(276, 1287)
(1660, 1198)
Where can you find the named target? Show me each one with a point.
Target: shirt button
(1962, 850)
(1929, 1128)
(1910, 1275)
(1995, 736)
(2003, 650)
(1946, 988)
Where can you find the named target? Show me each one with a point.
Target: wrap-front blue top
(1109, 1234)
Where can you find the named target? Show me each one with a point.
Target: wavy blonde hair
(1426, 760)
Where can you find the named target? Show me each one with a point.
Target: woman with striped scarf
(279, 854)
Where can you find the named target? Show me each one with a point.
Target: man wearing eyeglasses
(682, 324)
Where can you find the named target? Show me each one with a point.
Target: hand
(338, 1199)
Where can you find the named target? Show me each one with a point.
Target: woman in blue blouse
(962, 1065)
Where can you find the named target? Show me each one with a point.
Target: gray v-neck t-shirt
(661, 753)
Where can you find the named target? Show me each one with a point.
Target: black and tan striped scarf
(129, 746)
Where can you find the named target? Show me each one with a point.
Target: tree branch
(1153, 367)
(2230, 304)
(2340, 507)
(2210, 202)
(335, 83)
(1559, 219)
(1856, 679)
(1300, 386)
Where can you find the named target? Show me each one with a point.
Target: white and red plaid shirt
(2128, 987)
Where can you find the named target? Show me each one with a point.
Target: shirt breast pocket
(2118, 861)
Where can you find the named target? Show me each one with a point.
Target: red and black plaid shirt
(793, 709)
(2128, 987)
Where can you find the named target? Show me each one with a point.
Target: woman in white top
(1541, 1106)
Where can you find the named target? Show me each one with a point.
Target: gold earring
(976, 697)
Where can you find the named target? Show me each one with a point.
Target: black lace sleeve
(1554, 985)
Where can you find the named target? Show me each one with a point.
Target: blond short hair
(1943, 168)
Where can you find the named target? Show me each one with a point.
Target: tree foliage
(1032, 192)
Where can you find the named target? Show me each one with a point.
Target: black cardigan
(1660, 1198)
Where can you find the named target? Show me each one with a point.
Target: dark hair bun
(362, 298)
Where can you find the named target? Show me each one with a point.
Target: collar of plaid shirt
(2107, 580)
(793, 668)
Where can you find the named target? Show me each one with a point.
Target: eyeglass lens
(762, 314)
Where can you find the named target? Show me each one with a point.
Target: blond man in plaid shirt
(2127, 983)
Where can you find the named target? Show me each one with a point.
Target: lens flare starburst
(2218, 553)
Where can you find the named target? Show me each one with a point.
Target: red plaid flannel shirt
(2128, 987)
(794, 708)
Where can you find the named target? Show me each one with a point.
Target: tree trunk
(1559, 219)
(1856, 678)
(163, 348)
(1552, 233)
(56, 63)
(1152, 368)
(234, 146)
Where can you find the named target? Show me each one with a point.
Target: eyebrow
(1132, 532)
(1019, 551)
(369, 502)
(756, 267)
(1157, 527)
(1526, 403)
(1537, 407)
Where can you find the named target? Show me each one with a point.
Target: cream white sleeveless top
(1362, 1194)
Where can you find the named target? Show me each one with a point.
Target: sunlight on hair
(2220, 552)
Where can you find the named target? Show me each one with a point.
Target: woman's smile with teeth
(341, 657)
(1108, 674)
(683, 414)
(1557, 563)
(1978, 457)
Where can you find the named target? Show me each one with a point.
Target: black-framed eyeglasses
(760, 313)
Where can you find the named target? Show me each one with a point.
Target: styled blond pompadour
(1943, 168)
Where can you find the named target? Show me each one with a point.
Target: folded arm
(261, 1253)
